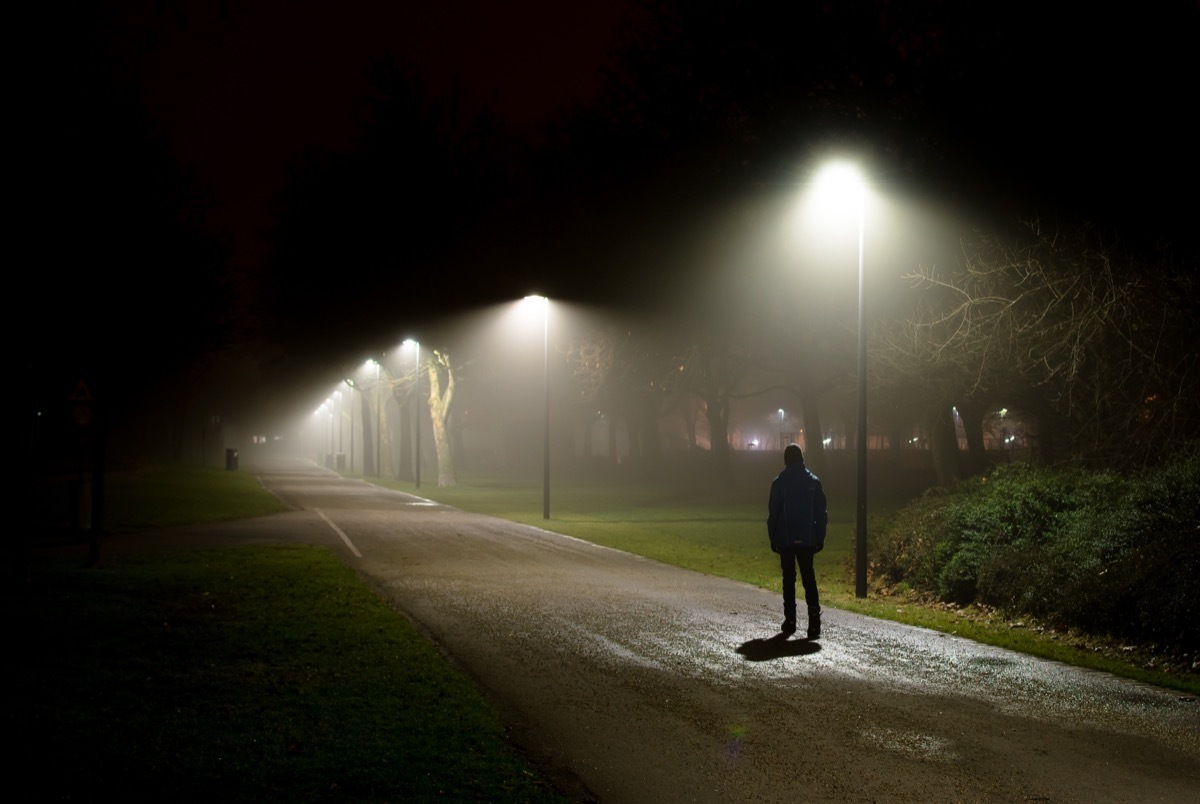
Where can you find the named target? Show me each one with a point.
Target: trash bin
(341, 461)
(231, 456)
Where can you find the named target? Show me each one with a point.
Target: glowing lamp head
(841, 184)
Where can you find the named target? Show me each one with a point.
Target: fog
(630, 388)
(739, 339)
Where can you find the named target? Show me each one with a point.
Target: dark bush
(1111, 553)
(905, 547)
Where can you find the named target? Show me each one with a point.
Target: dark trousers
(788, 561)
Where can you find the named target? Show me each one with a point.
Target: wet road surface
(632, 681)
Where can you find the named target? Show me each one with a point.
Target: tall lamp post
(860, 532)
(340, 453)
(844, 181)
(416, 345)
(378, 419)
(545, 305)
(350, 385)
(329, 452)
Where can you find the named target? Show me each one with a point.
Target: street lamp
(545, 305)
(378, 418)
(319, 430)
(340, 410)
(350, 384)
(329, 452)
(843, 183)
(416, 345)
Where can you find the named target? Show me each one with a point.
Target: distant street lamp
(545, 305)
(781, 416)
(340, 411)
(843, 183)
(378, 419)
(416, 345)
(321, 433)
(329, 452)
(350, 385)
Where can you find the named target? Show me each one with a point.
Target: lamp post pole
(351, 387)
(378, 419)
(860, 534)
(339, 424)
(544, 302)
(834, 183)
(417, 416)
(546, 439)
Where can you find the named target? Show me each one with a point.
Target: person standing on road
(796, 521)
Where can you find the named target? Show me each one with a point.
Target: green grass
(161, 496)
(247, 674)
(724, 534)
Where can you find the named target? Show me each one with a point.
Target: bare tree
(721, 346)
(1092, 341)
(633, 373)
(442, 381)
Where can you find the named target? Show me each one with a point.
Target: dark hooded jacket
(797, 515)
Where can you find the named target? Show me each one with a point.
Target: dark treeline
(119, 263)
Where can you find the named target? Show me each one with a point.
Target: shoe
(814, 624)
(788, 627)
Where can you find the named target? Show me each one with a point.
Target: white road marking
(339, 532)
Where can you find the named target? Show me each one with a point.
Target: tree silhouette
(1094, 341)
(126, 275)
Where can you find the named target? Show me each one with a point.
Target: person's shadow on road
(777, 647)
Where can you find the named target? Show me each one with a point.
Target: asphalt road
(634, 681)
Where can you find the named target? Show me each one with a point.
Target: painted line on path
(338, 531)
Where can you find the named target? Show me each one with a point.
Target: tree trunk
(718, 426)
(368, 432)
(612, 436)
(971, 414)
(441, 438)
(404, 463)
(651, 438)
(689, 423)
(943, 441)
(387, 445)
(1046, 445)
(441, 401)
(814, 441)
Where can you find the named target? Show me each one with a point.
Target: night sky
(241, 88)
(1088, 112)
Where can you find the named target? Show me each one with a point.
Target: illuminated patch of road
(911, 743)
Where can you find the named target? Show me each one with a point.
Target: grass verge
(723, 533)
(160, 496)
(247, 674)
